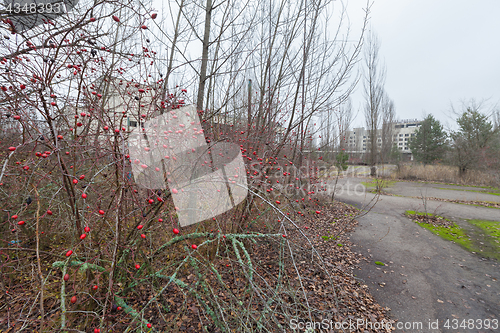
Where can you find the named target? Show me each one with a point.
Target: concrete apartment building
(357, 141)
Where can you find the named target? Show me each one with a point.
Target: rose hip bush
(82, 246)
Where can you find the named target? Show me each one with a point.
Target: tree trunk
(204, 56)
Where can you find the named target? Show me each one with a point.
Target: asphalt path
(430, 284)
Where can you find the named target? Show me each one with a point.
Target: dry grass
(448, 174)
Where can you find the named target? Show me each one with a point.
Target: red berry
(101, 212)
(73, 299)
(95, 287)
(116, 18)
(144, 27)
(92, 19)
(82, 236)
(278, 202)
(153, 16)
(12, 148)
(137, 266)
(23, 86)
(84, 195)
(96, 330)
(82, 176)
(284, 236)
(14, 217)
(49, 212)
(160, 220)
(174, 191)
(318, 212)
(151, 201)
(149, 325)
(176, 231)
(75, 181)
(140, 226)
(194, 246)
(66, 277)
(106, 128)
(69, 253)
(143, 236)
(119, 308)
(87, 229)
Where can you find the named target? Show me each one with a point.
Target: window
(407, 134)
(400, 134)
(400, 143)
(412, 134)
(132, 123)
(400, 139)
(406, 139)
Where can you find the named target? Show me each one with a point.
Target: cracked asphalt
(426, 278)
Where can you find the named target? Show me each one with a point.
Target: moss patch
(488, 232)
(382, 183)
(454, 233)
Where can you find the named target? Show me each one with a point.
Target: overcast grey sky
(436, 52)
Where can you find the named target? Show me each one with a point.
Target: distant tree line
(474, 145)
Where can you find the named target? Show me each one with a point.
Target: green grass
(453, 233)
(492, 228)
(482, 237)
(476, 191)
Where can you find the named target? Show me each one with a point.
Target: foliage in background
(429, 142)
(474, 144)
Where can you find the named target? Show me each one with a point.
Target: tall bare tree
(374, 81)
(388, 115)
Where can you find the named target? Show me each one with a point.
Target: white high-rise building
(358, 140)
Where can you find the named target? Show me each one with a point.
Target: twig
(40, 274)
(63, 297)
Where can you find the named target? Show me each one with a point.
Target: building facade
(357, 142)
